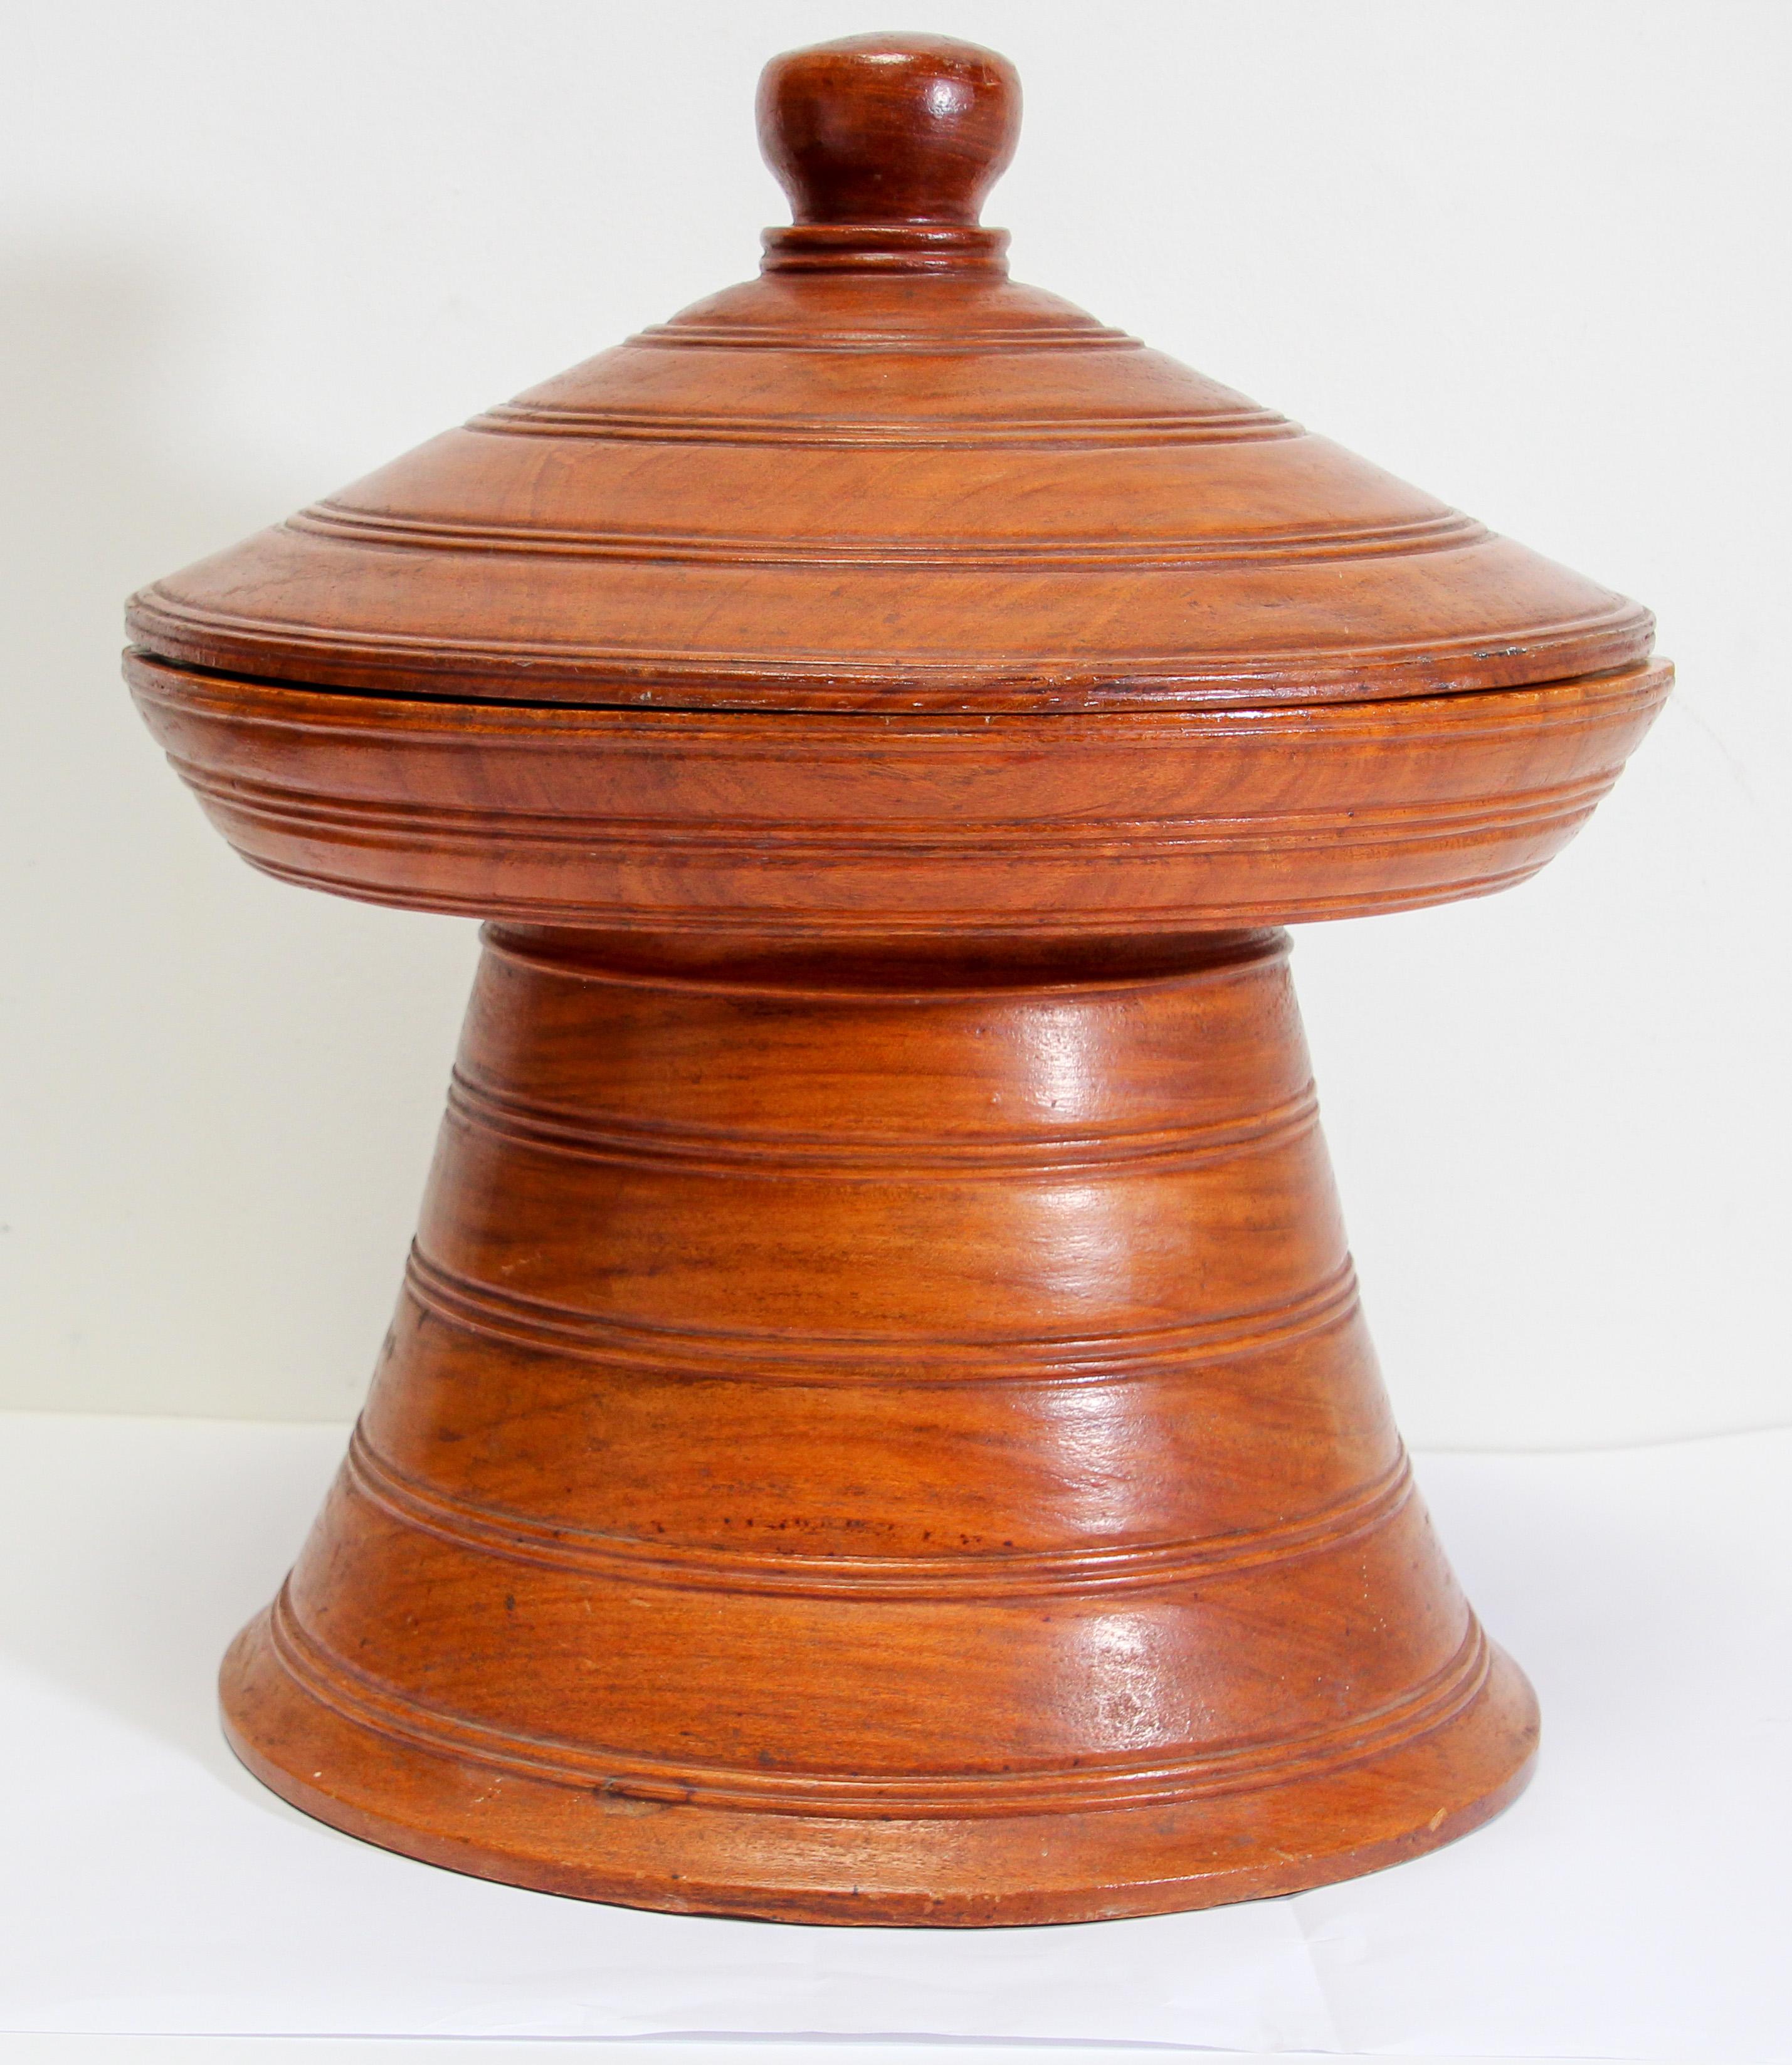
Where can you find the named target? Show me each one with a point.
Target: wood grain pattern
(924, 829)
(883, 477)
(887, 146)
(878, 1426)
(897, 1416)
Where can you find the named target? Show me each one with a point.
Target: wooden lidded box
(878, 1425)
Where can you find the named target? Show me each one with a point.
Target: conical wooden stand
(883, 1454)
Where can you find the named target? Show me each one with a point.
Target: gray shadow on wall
(147, 1591)
(222, 1102)
(97, 844)
(165, 1051)
(93, 508)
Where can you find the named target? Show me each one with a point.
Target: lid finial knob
(887, 145)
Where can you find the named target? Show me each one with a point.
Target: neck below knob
(887, 145)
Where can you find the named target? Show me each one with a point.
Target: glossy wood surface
(880, 1455)
(882, 478)
(887, 133)
(878, 1426)
(922, 829)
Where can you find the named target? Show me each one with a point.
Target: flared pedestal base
(1304, 1828)
(881, 1455)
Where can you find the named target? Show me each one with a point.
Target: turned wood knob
(887, 129)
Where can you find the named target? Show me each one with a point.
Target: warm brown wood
(878, 1426)
(895, 131)
(928, 830)
(882, 476)
(858, 1453)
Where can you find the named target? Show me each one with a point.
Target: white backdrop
(1531, 255)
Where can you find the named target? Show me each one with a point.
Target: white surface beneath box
(1633, 1905)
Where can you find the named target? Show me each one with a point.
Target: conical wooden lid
(882, 476)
